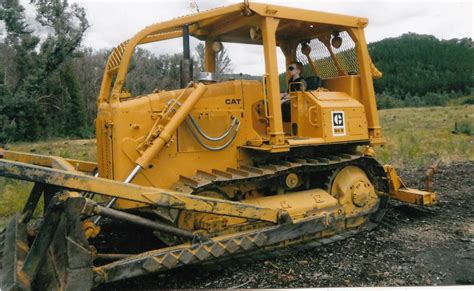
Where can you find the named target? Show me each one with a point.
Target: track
(262, 241)
(278, 168)
(412, 246)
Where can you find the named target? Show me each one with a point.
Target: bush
(386, 101)
(465, 127)
(468, 101)
(390, 100)
(436, 99)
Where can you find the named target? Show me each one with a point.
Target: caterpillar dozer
(212, 170)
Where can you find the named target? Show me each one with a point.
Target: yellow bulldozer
(213, 170)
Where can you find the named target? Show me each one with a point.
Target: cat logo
(232, 101)
(338, 127)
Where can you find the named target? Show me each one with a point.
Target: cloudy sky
(114, 21)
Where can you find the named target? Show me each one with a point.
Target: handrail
(123, 54)
(265, 96)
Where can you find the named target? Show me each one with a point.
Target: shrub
(386, 101)
(465, 127)
(468, 101)
(435, 99)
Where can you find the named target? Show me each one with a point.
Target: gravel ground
(412, 246)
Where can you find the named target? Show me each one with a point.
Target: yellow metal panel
(104, 127)
(298, 204)
(133, 119)
(313, 114)
(169, 129)
(212, 123)
(367, 85)
(269, 26)
(308, 15)
(347, 84)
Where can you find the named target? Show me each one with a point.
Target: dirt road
(413, 246)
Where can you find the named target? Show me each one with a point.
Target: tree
(76, 117)
(223, 61)
(148, 72)
(31, 58)
(88, 69)
(420, 64)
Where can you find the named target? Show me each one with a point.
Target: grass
(414, 137)
(464, 127)
(81, 149)
(13, 193)
(463, 100)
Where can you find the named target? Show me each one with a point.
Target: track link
(255, 243)
(247, 174)
(330, 164)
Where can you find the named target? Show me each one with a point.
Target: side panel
(328, 117)
(131, 120)
(348, 84)
(104, 142)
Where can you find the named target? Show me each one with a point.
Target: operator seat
(313, 83)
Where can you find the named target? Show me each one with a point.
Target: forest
(49, 81)
(421, 70)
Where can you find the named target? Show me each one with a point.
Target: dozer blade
(58, 257)
(2, 244)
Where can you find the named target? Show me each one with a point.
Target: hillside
(419, 64)
(420, 70)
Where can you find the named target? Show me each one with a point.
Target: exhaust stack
(186, 62)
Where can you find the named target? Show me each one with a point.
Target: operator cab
(331, 47)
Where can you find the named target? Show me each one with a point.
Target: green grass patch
(81, 149)
(462, 100)
(13, 193)
(415, 136)
(465, 127)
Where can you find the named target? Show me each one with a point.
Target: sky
(115, 21)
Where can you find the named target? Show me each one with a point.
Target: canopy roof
(232, 23)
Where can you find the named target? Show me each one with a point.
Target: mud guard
(58, 258)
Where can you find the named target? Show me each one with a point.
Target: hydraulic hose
(209, 138)
(199, 129)
(211, 148)
(167, 132)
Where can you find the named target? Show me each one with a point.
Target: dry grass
(414, 137)
(13, 193)
(417, 135)
(81, 149)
